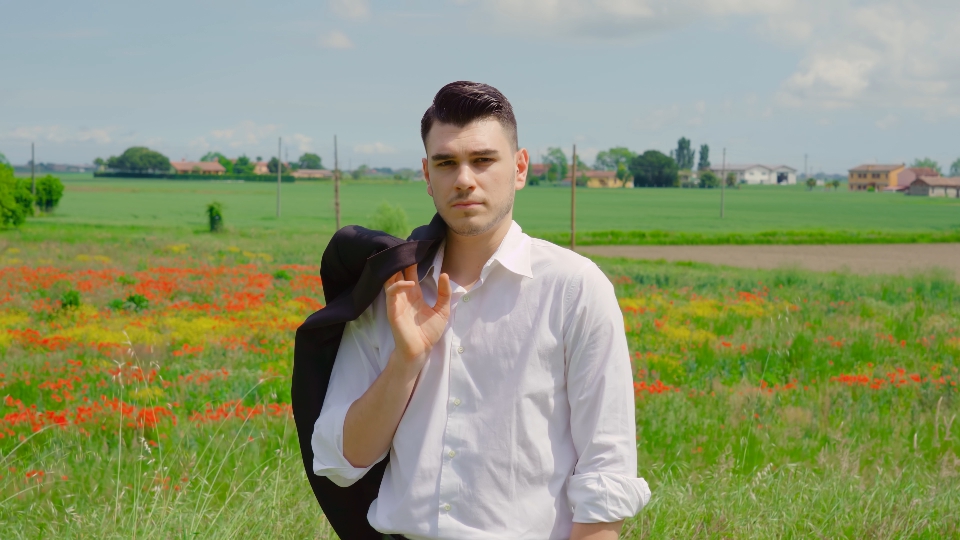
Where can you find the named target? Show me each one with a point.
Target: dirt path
(861, 259)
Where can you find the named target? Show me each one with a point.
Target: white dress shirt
(522, 421)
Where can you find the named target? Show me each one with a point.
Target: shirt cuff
(327, 446)
(606, 497)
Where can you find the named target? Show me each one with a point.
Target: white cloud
(302, 142)
(887, 122)
(374, 148)
(246, 133)
(336, 40)
(877, 53)
(350, 9)
(61, 134)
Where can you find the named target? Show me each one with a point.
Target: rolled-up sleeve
(354, 371)
(604, 486)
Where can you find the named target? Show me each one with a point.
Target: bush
(391, 220)
(282, 274)
(215, 216)
(134, 302)
(16, 202)
(49, 193)
(709, 180)
(70, 299)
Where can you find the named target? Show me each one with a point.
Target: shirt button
(457, 402)
(460, 350)
(446, 507)
(466, 298)
(451, 453)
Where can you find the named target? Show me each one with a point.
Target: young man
(500, 384)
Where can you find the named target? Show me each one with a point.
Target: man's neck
(464, 256)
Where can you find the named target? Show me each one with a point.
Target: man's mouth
(466, 204)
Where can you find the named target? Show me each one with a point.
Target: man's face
(472, 173)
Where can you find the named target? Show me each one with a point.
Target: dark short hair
(462, 102)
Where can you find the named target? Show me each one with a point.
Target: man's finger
(410, 273)
(443, 296)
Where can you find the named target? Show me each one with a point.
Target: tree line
(140, 159)
(649, 169)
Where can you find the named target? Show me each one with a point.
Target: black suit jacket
(354, 267)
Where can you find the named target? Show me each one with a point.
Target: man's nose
(465, 178)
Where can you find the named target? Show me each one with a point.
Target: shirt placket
(450, 482)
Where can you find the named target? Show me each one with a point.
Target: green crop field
(789, 214)
(145, 364)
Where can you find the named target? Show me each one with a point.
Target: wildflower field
(145, 393)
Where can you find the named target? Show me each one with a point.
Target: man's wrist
(405, 367)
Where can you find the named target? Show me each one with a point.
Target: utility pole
(805, 173)
(279, 172)
(723, 180)
(573, 201)
(33, 178)
(336, 183)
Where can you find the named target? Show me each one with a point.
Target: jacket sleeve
(355, 369)
(604, 486)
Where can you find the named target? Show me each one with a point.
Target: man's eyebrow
(476, 153)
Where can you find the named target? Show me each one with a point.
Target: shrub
(709, 180)
(49, 193)
(16, 202)
(134, 302)
(391, 220)
(70, 299)
(282, 274)
(215, 216)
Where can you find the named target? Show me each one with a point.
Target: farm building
(877, 177)
(198, 167)
(756, 173)
(312, 173)
(935, 186)
(908, 175)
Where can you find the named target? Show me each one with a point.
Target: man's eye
(484, 160)
(444, 164)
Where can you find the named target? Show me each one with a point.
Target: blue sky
(844, 81)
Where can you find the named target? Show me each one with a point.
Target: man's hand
(416, 326)
(372, 420)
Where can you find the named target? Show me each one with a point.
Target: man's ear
(523, 167)
(426, 176)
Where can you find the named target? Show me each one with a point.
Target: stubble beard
(475, 230)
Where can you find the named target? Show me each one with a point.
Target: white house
(755, 173)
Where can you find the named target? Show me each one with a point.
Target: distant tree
(259, 158)
(610, 160)
(273, 163)
(557, 164)
(310, 161)
(227, 164)
(811, 183)
(704, 162)
(243, 165)
(955, 168)
(654, 169)
(100, 163)
(16, 201)
(212, 156)
(835, 183)
(49, 193)
(359, 172)
(731, 180)
(684, 154)
(927, 163)
(709, 180)
(3, 159)
(139, 159)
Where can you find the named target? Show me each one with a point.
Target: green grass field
(794, 214)
(145, 364)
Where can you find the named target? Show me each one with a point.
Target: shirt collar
(513, 254)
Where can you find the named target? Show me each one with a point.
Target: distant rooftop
(876, 168)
